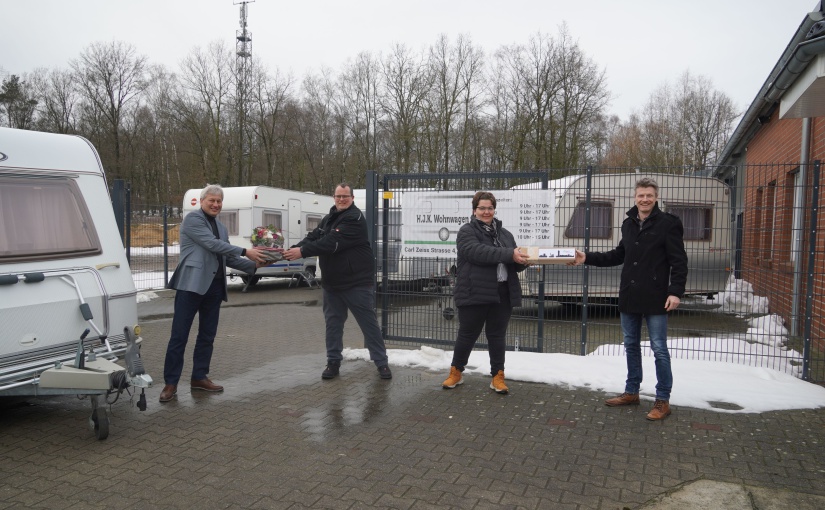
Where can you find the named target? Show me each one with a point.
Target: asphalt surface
(280, 437)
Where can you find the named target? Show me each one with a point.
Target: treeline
(445, 109)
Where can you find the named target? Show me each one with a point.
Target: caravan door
(293, 230)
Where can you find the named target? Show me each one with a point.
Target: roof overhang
(806, 97)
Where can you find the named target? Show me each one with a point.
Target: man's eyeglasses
(341, 197)
(485, 209)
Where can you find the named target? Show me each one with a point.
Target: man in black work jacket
(652, 284)
(348, 279)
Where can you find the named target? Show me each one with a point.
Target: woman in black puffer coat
(486, 289)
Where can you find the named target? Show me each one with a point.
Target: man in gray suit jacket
(200, 281)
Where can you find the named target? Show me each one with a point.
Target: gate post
(128, 231)
(370, 207)
(809, 291)
(585, 269)
(165, 245)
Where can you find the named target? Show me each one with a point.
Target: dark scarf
(491, 230)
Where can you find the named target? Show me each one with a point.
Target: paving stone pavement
(279, 437)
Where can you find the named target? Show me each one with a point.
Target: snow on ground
(755, 372)
(697, 383)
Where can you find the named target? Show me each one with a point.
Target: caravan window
(601, 220)
(230, 221)
(272, 218)
(696, 219)
(313, 222)
(44, 219)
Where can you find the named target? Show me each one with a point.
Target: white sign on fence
(431, 219)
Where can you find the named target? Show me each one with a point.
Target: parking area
(280, 437)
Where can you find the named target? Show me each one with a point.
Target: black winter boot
(331, 370)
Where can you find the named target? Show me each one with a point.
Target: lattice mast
(243, 55)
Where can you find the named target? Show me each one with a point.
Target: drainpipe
(800, 192)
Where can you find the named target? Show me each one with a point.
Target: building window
(601, 221)
(769, 218)
(757, 222)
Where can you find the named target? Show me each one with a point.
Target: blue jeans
(361, 302)
(208, 309)
(657, 329)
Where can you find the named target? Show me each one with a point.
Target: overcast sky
(641, 44)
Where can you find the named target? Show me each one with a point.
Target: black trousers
(493, 319)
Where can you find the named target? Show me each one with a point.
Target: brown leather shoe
(168, 392)
(660, 411)
(625, 399)
(205, 385)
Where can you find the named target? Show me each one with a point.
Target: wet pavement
(280, 437)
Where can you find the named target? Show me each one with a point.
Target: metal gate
(573, 310)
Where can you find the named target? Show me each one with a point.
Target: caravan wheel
(99, 421)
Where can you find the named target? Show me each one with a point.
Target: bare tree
(708, 117)
(201, 107)
(456, 73)
(269, 96)
(624, 145)
(548, 99)
(406, 85)
(111, 77)
(321, 135)
(58, 100)
(357, 107)
(684, 126)
(579, 104)
(158, 139)
(509, 122)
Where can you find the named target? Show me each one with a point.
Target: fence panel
(751, 313)
(755, 264)
(152, 237)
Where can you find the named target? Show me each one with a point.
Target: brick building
(771, 163)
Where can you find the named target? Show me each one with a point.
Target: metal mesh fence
(753, 268)
(755, 262)
(151, 233)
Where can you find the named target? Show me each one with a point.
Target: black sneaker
(331, 370)
(385, 372)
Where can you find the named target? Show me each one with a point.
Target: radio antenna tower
(243, 53)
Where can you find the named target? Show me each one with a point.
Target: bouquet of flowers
(271, 240)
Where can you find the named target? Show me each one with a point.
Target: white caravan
(702, 203)
(67, 299)
(295, 213)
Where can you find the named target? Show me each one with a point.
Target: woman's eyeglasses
(485, 209)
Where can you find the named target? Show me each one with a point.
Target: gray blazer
(198, 264)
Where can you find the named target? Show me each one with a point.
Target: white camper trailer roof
(564, 184)
(243, 197)
(24, 149)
